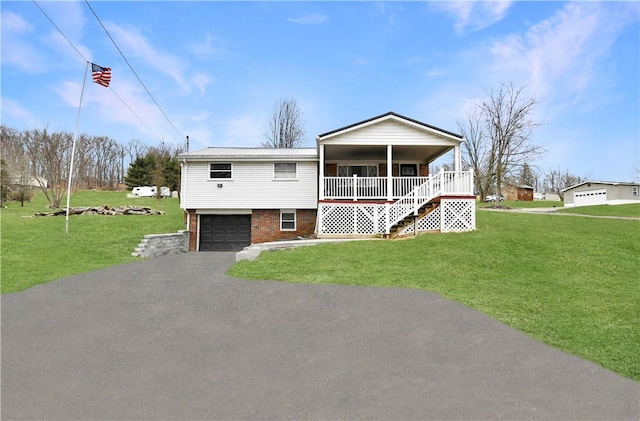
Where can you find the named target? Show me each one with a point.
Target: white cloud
(562, 57)
(205, 48)
(69, 16)
(19, 115)
(133, 44)
(310, 19)
(202, 116)
(241, 130)
(201, 81)
(474, 15)
(12, 22)
(101, 107)
(15, 50)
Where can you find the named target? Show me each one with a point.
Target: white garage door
(590, 197)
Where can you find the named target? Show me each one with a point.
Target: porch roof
(369, 139)
(387, 116)
(608, 183)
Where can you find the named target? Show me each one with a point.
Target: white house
(370, 178)
(590, 193)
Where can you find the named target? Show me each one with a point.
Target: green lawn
(526, 204)
(36, 250)
(569, 282)
(629, 210)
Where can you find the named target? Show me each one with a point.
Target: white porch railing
(358, 188)
(444, 183)
(340, 218)
(354, 188)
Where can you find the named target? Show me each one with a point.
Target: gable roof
(251, 154)
(387, 116)
(609, 183)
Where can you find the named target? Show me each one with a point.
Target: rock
(103, 210)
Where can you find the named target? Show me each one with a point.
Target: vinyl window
(359, 170)
(220, 171)
(287, 220)
(285, 171)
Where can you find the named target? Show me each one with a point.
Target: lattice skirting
(457, 215)
(429, 222)
(351, 219)
(453, 215)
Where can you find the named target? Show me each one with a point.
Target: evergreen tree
(139, 172)
(526, 178)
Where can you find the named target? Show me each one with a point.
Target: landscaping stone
(103, 210)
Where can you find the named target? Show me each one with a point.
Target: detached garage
(590, 193)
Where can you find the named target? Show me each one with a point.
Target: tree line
(40, 158)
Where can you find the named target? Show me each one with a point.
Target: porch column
(457, 158)
(389, 173)
(321, 172)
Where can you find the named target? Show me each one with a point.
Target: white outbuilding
(590, 193)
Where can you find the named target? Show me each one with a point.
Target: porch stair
(424, 210)
(447, 191)
(413, 203)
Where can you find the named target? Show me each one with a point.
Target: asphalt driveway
(174, 338)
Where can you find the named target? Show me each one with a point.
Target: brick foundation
(192, 221)
(265, 225)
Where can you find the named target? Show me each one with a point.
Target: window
(359, 170)
(634, 190)
(285, 170)
(287, 220)
(218, 171)
(408, 170)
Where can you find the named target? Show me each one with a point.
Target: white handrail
(442, 183)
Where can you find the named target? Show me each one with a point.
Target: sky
(213, 70)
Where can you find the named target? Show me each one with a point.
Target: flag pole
(73, 149)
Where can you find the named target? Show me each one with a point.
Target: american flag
(101, 75)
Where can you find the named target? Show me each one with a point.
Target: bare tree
(556, 181)
(476, 152)
(18, 168)
(286, 127)
(497, 137)
(509, 125)
(50, 155)
(135, 149)
(44, 157)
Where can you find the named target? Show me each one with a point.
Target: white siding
(252, 187)
(390, 131)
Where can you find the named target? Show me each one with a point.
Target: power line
(134, 72)
(59, 30)
(112, 90)
(134, 113)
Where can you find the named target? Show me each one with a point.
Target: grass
(36, 250)
(629, 210)
(525, 204)
(569, 282)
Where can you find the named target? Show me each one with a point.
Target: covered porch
(374, 177)
(386, 172)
